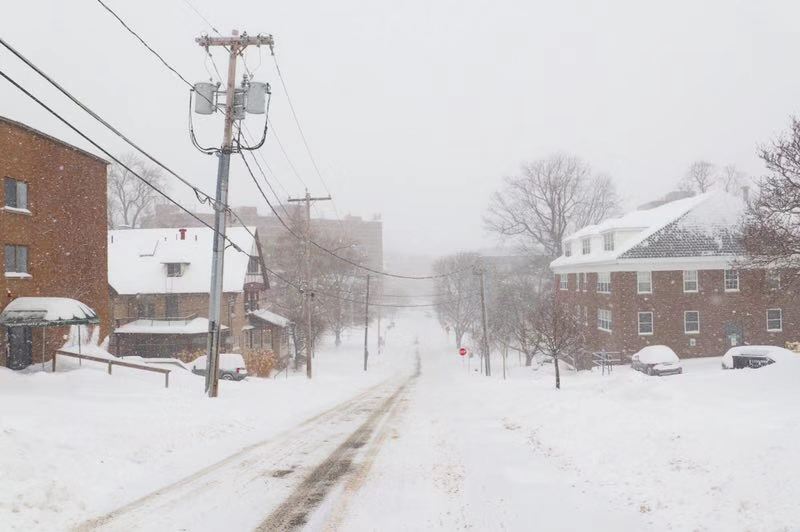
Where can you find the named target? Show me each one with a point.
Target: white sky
(417, 109)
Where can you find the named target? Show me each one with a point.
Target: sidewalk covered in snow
(162, 338)
(25, 313)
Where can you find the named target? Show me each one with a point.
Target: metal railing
(112, 362)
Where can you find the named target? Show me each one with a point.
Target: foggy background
(417, 109)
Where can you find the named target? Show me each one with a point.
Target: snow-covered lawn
(706, 450)
(80, 442)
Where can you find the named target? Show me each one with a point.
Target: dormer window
(175, 269)
(608, 242)
(586, 246)
(567, 249)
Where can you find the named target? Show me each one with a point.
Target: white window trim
(18, 275)
(609, 236)
(684, 322)
(650, 282)
(696, 282)
(586, 249)
(611, 319)
(16, 210)
(597, 284)
(563, 281)
(725, 280)
(768, 320)
(639, 323)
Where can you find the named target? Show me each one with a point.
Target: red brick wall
(66, 230)
(746, 308)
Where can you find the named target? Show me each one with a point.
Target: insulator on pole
(204, 100)
(257, 97)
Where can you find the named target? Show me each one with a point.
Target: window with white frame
(645, 323)
(604, 282)
(16, 194)
(16, 259)
(773, 279)
(774, 319)
(175, 269)
(563, 281)
(691, 322)
(584, 281)
(604, 319)
(690, 283)
(608, 242)
(586, 246)
(644, 282)
(731, 280)
(567, 249)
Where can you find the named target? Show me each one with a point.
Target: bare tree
(548, 199)
(129, 198)
(772, 224)
(458, 307)
(558, 332)
(732, 179)
(699, 178)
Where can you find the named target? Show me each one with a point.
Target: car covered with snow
(231, 366)
(756, 356)
(657, 360)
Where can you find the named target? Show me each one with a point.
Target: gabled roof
(137, 260)
(710, 229)
(700, 227)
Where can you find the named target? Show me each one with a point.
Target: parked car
(231, 366)
(657, 360)
(755, 356)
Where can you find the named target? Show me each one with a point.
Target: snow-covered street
(393, 450)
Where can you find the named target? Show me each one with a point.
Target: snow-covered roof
(137, 260)
(47, 312)
(270, 317)
(146, 326)
(697, 227)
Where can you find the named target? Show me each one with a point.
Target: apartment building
(674, 274)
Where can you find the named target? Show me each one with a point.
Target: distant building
(53, 232)
(159, 280)
(672, 275)
(367, 233)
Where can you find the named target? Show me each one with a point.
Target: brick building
(159, 281)
(53, 227)
(674, 274)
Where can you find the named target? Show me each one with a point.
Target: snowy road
(248, 490)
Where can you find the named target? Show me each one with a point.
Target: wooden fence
(114, 362)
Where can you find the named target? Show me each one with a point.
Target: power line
(206, 198)
(110, 156)
(144, 43)
(315, 244)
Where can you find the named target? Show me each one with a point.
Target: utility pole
(307, 292)
(235, 45)
(366, 327)
(482, 273)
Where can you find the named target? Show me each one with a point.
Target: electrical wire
(112, 157)
(270, 125)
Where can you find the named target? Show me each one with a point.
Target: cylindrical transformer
(238, 104)
(257, 98)
(204, 97)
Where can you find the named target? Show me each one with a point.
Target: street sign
(462, 351)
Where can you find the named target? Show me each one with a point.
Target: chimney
(183, 233)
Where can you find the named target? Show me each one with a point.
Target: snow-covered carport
(25, 313)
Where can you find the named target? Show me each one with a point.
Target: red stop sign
(462, 351)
